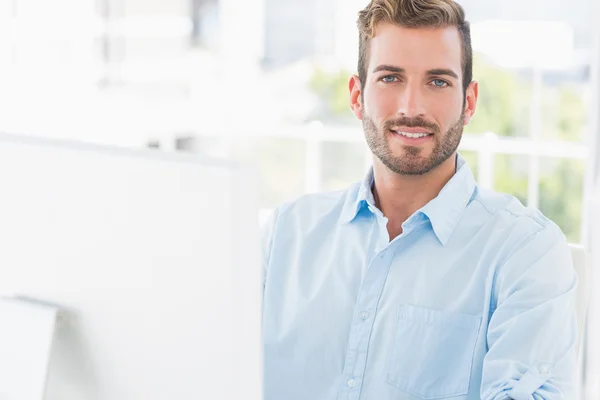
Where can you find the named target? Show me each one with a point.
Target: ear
(355, 96)
(471, 101)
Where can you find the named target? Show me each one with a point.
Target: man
(416, 283)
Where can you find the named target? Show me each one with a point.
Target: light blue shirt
(474, 300)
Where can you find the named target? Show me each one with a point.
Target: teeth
(413, 135)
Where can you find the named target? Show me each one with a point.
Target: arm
(532, 333)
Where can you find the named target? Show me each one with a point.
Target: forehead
(416, 49)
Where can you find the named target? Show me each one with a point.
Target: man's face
(412, 104)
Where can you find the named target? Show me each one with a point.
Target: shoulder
(528, 242)
(309, 209)
(508, 213)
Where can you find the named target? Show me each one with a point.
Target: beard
(412, 161)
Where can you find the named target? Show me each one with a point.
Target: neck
(400, 196)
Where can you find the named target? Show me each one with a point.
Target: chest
(332, 276)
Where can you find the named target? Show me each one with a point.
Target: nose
(411, 101)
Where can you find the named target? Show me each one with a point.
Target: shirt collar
(359, 198)
(443, 212)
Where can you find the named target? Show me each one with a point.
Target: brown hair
(414, 14)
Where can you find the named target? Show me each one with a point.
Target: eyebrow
(443, 71)
(431, 72)
(389, 68)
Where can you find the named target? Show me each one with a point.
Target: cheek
(379, 104)
(448, 110)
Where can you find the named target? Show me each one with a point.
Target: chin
(418, 154)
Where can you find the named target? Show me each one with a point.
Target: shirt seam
(541, 222)
(522, 243)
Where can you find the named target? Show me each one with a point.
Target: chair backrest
(581, 262)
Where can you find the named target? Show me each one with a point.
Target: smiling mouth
(412, 135)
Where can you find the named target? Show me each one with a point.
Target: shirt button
(351, 383)
(364, 315)
(543, 369)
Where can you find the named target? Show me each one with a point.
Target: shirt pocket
(432, 352)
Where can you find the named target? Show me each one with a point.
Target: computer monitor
(153, 256)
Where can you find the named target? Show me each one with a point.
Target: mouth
(412, 137)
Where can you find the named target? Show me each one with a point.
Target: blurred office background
(265, 81)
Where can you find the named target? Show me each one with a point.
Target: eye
(439, 83)
(388, 79)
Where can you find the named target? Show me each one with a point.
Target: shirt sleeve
(532, 333)
(267, 231)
